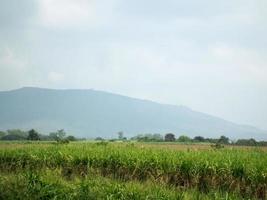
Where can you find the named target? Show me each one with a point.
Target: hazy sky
(208, 55)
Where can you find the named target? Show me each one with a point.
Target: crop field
(124, 170)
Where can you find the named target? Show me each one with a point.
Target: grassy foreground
(129, 171)
(51, 185)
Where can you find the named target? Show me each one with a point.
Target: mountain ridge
(90, 113)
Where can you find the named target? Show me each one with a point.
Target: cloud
(197, 53)
(66, 13)
(55, 77)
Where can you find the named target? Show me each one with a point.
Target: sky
(208, 55)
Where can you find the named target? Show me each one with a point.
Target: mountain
(91, 113)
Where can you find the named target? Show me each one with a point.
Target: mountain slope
(90, 113)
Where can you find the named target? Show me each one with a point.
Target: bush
(217, 146)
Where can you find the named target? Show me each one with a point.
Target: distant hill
(90, 113)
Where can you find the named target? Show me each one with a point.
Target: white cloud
(66, 13)
(55, 77)
(174, 51)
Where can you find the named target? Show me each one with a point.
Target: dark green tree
(33, 135)
(71, 138)
(199, 139)
(169, 137)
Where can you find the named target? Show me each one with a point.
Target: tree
(157, 137)
(199, 139)
(33, 135)
(99, 139)
(12, 137)
(245, 142)
(61, 133)
(53, 136)
(223, 140)
(169, 137)
(58, 136)
(120, 135)
(184, 138)
(71, 138)
(148, 137)
(2, 134)
(17, 132)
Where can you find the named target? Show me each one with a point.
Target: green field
(87, 170)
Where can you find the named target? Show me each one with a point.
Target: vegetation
(125, 168)
(33, 135)
(61, 137)
(17, 134)
(169, 137)
(52, 185)
(149, 166)
(148, 138)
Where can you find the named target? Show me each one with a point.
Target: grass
(176, 172)
(51, 185)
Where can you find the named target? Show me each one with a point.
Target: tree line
(62, 137)
(17, 134)
(170, 137)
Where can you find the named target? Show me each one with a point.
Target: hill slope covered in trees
(90, 113)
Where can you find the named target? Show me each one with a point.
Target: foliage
(148, 138)
(71, 138)
(199, 139)
(2, 133)
(59, 135)
(14, 134)
(223, 140)
(47, 184)
(169, 137)
(184, 138)
(217, 146)
(120, 135)
(33, 135)
(99, 138)
(225, 170)
(249, 142)
(13, 137)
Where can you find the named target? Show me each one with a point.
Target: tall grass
(47, 184)
(240, 171)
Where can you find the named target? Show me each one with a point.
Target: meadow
(126, 170)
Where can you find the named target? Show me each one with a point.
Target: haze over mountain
(91, 113)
